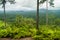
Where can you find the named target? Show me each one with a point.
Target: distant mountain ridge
(40, 10)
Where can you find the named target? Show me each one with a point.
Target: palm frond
(50, 2)
(42, 1)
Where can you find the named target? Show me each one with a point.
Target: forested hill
(31, 13)
(19, 26)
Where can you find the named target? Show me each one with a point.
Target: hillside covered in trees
(24, 21)
(21, 25)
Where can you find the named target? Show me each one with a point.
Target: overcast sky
(28, 5)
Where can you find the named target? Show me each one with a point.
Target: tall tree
(51, 4)
(3, 2)
(37, 16)
(46, 12)
(41, 2)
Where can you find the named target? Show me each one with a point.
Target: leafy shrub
(26, 27)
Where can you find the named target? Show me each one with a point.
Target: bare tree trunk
(4, 13)
(46, 12)
(37, 15)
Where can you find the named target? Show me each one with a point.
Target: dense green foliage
(48, 33)
(26, 27)
(21, 27)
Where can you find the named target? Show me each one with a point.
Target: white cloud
(56, 4)
(28, 5)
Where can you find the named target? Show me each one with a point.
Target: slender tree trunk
(46, 12)
(37, 15)
(4, 13)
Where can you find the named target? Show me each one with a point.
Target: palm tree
(3, 2)
(37, 16)
(51, 4)
(41, 2)
(47, 13)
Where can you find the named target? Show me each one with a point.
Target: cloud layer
(28, 5)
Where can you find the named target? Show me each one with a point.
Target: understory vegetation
(23, 27)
